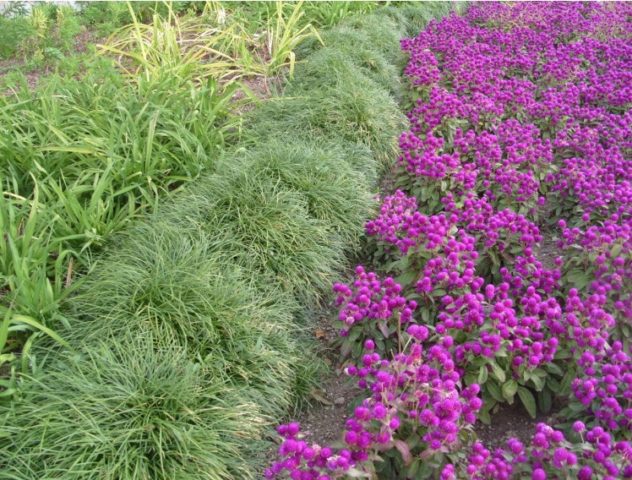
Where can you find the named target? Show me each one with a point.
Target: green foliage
(336, 195)
(284, 35)
(184, 333)
(13, 32)
(352, 109)
(321, 14)
(329, 13)
(263, 227)
(419, 14)
(97, 147)
(394, 13)
(29, 257)
(338, 60)
(81, 159)
(212, 44)
(50, 33)
(128, 410)
(383, 32)
(104, 17)
(172, 284)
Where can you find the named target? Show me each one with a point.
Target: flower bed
(520, 130)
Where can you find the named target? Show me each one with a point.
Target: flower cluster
(416, 392)
(371, 308)
(520, 129)
(299, 460)
(549, 455)
(523, 120)
(604, 388)
(600, 257)
(400, 224)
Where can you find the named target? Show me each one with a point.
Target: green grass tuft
(128, 411)
(419, 15)
(336, 195)
(263, 228)
(171, 283)
(394, 13)
(383, 32)
(352, 110)
(337, 61)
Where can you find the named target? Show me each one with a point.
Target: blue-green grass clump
(337, 195)
(353, 109)
(128, 410)
(264, 228)
(342, 58)
(418, 18)
(383, 32)
(171, 283)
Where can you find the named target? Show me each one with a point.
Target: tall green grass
(214, 43)
(46, 31)
(155, 135)
(81, 159)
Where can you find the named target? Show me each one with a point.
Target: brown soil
(323, 423)
(84, 39)
(509, 421)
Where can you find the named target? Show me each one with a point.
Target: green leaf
(413, 469)
(470, 378)
(540, 373)
(406, 278)
(553, 385)
(539, 382)
(615, 250)
(509, 390)
(482, 375)
(484, 417)
(494, 390)
(483, 414)
(527, 399)
(578, 278)
(498, 372)
(545, 400)
(576, 407)
(555, 369)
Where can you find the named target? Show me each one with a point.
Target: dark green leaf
(482, 375)
(526, 397)
(494, 390)
(545, 400)
(498, 372)
(553, 368)
(509, 390)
